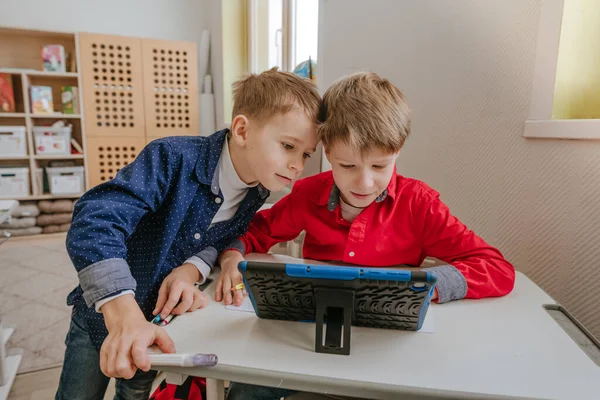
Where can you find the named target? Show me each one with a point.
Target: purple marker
(183, 360)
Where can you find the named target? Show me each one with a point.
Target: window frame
(540, 124)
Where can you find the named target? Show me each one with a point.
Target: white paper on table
(429, 323)
(246, 306)
(427, 327)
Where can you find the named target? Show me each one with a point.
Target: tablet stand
(335, 309)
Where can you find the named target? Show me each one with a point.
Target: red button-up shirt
(407, 223)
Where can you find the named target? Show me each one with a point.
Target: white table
(500, 348)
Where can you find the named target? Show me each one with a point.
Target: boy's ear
(239, 129)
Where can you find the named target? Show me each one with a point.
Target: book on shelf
(54, 58)
(70, 100)
(42, 101)
(7, 93)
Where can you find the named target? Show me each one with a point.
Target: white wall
(214, 23)
(466, 67)
(157, 19)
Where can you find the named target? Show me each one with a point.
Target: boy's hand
(230, 276)
(179, 285)
(129, 335)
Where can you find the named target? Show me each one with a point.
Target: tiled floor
(42, 385)
(36, 276)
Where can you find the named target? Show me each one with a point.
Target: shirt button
(218, 200)
(351, 254)
(197, 236)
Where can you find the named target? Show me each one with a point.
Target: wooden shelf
(59, 116)
(20, 57)
(21, 158)
(46, 74)
(44, 197)
(30, 72)
(36, 33)
(59, 157)
(14, 71)
(56, 235)
(45, 157)
(46, 116)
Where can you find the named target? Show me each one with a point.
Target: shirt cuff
(451, 284)
(203, 267)
(238, 246)
(104, 278)
(98, 305)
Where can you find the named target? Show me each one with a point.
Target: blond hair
(272, 92)
(364, 111)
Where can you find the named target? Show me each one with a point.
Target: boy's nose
(296, 165)
(365, 181)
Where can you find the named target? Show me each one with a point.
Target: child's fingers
(162, 298)
(124, 362)
(227, 291)
(139, 353)
(174, 296)
(200, 300)
(108, 352)
(219, 289)
(104, 361)
(164, 341)
(238, 297)
(187, 298)
(111, 370)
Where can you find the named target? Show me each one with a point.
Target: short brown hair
(260, 96)
(364, 111)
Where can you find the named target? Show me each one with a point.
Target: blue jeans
(245, 391)
(81, 377)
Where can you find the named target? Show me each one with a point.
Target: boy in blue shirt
(133, 240)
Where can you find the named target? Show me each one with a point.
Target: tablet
(375, 297)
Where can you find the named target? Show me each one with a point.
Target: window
(262, 34)
(577, 88)
(566, 87)
(282, 33)
(265, 34)
(306, 31)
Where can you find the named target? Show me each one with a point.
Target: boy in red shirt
(362, 212)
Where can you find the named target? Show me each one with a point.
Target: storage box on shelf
(14, 182)
(50, 140)
(65, 180)
(13, 141)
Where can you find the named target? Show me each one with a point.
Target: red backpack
(193, 388)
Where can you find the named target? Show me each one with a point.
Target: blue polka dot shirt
(131, 232)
